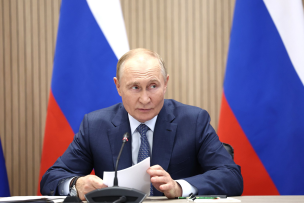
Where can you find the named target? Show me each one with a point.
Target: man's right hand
(87, 184)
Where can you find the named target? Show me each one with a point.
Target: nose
(144, 97)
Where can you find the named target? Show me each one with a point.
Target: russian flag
(91, 38)
(262, 112)
(4, 186)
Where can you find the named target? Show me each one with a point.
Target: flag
(91, 38)
(262, 110)
(4, 187)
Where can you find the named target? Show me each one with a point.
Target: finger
(156, 167)
(166, 187)
(157, 172)
(97, 182)
(160, 179)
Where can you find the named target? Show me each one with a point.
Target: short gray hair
(132, 53)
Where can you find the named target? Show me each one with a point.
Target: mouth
(144, 110)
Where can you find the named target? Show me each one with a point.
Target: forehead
(141, 66)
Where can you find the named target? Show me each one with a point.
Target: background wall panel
(27, 39)
(192, 36)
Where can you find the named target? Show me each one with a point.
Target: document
(33, 199)
(133, 177)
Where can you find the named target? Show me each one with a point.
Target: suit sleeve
(220, 175)
(76, 161)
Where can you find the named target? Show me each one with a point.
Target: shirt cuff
(187, 188)
(64, 187)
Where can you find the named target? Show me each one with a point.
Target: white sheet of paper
(133, 177)
(33, 198)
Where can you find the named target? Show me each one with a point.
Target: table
(244, 199)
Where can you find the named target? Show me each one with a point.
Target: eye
(153, 86)
(134, 87)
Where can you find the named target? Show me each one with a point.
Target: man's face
(142, 87)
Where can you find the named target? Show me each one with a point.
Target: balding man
(186, 154)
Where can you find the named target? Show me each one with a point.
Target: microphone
(116, 194)
(124, 140)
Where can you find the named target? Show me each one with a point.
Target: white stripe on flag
(288, 18)
(109, 17)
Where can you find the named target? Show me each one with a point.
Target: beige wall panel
(168, 42)
(36, 91)
(8, 136)
(27, 41)
(140, 22)
(226, 31)
(29, 100)
(134, 18)
(2, 81)
(197, 61)
(211, 60)
(219, 56)
(42, 66)
(22, 97)
(190, 68)
(191, 36)
(204, 51)
(176, 47)
(15, 106)
(161, 28)
(50, 43)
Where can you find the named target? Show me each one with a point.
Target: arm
(199, 158)
(76, 161)
(220, 175)
(163, 182)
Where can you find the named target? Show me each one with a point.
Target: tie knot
(142, 129)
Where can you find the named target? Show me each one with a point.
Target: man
(186, 154)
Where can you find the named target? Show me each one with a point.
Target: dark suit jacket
(184, 144)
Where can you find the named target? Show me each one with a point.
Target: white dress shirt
(187, 188)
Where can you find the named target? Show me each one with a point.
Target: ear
(166, 83)
(117, 85)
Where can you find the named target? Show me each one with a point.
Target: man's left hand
(163, 182)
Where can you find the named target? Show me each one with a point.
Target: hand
(163, 182)
(87, 184)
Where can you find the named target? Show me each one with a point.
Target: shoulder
(178, 108)
(105, 113)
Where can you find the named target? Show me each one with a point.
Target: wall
(192, 36)
(27, 39)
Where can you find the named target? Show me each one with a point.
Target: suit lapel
(115, 134)
(163, 137)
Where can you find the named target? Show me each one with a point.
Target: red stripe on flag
(256, 179)
(58, 135)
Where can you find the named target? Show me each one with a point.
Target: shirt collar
(135, 123)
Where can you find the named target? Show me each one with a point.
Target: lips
(144, 110)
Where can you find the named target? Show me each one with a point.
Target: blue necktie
(144, 149)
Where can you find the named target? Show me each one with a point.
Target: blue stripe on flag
(4, 187)
(84, 64)
(266, 95)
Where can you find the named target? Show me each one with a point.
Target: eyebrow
(129, 84)
(137, 83)
(154, 81)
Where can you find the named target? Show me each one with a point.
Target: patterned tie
(144, 149)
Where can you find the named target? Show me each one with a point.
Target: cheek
(158, 97)
(130, 98)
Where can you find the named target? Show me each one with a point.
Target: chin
(144, 119)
